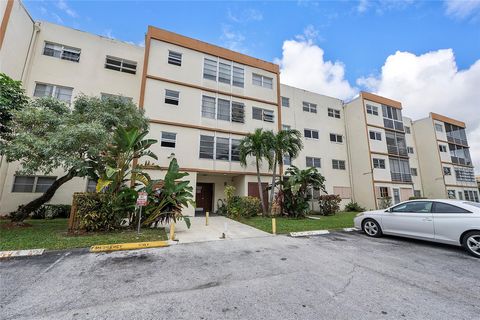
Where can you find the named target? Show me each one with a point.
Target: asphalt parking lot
(337, 276)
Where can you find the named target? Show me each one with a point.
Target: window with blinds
(122, 65)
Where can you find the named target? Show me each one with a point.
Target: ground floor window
(451, 194)
(383, 192)
(471, 195)
(29, 184)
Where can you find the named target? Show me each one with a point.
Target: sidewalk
(217, 225)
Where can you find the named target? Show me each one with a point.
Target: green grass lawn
(52, 234)
(287, 225)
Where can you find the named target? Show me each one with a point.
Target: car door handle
(427, 219)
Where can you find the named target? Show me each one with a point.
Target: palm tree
(259, 145)
(285, 142)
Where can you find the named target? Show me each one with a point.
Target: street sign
(142, 199)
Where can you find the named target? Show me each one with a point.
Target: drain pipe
(349, 158)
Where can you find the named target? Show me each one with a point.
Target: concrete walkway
(217, 226)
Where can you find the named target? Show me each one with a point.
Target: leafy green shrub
(221, 208)
(329, 204)
(354, 207)
(245, 207)
(52, 211)
(385, 202)
(94, 211)
(250, 206)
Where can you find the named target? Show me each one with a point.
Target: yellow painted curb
(128, 246)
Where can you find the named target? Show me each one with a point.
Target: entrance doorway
(253, 191)
(203, 198)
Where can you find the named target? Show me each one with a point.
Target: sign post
(141, 202)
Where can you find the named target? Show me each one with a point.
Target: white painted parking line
(21, 253)
(309, 233)
(350, 229)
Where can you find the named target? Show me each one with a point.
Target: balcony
(462, 142)
(401, 177)
(398, 151)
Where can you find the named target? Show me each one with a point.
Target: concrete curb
(317, 232)
(21, 253)
(128, 246)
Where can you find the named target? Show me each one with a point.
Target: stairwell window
(169, 139)
(174, 58)
(62, 52)
(262, 81)
(313, 162)
(172, 97)
(122, 65)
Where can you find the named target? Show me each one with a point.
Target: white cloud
(233, 40)
(431, 82)
(62, 5)
(462, 9)
(381, 6)
(302, 65)
(245, 16)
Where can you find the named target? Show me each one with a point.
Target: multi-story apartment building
(378, 150)
(446, 165)
(202, 99)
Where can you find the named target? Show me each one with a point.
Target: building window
(235, 150)
(262, 81)
(400, 170)
(410, 150)
(238, 112)
(49, 90)
(338, 164)
(378, 163)
(91, 185)
(407, 129)
(460, 195)
(447, 171)
(287, 160)
(414, 172)
(336, 138)
(238, 76)
(119, 64)
(460, 154)
(224, 73)
(309, 107)
(438, 127)
(286, 127)
(313, 162)
(392, 118)
(210, 69)
(285, 102)
(174, 58)
(168, 139)
(451, 194)
(334, 113)
(310, 134)
(262, 114)
(223, 110)
(222, 149)
(442, 148)
(465, 174)
(383, 192)
(372, 110)
(471, 195)
(374, 135)
(106, 96)
(29, 184)
(206, 147)
(208, 107)
(417, 193)
(396, 143)
(61, 52)
(172, 97)
(456, 134)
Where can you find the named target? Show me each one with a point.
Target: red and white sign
(142, 199)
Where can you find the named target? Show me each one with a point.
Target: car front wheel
(372, 228)
(471, 243)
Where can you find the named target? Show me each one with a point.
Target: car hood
(374, 212)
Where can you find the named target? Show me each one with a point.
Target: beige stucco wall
(413, 158)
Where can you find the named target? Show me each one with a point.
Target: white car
(447, 221)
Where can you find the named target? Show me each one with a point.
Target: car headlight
(359, 214)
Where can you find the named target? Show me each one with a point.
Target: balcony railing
(398, 151)
(457, 140)
(401, 177)
(458, 160)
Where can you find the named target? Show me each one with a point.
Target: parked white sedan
(447, 221)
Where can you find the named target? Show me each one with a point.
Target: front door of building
(204, 198)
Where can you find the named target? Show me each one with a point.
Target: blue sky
(361, 34)
(425, 54)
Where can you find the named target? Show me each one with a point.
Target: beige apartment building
(202, 99)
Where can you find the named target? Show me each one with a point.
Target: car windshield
(474, 204)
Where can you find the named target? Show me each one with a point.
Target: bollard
(172, 230)
(274, 226)
(206, 218)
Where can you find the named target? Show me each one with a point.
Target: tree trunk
(260, 191)
(24, 211)
(270, 203)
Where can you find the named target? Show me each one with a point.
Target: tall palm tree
(259, 145)
(285, 142)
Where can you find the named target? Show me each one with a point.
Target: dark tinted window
(415, 206)
(441, 207)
